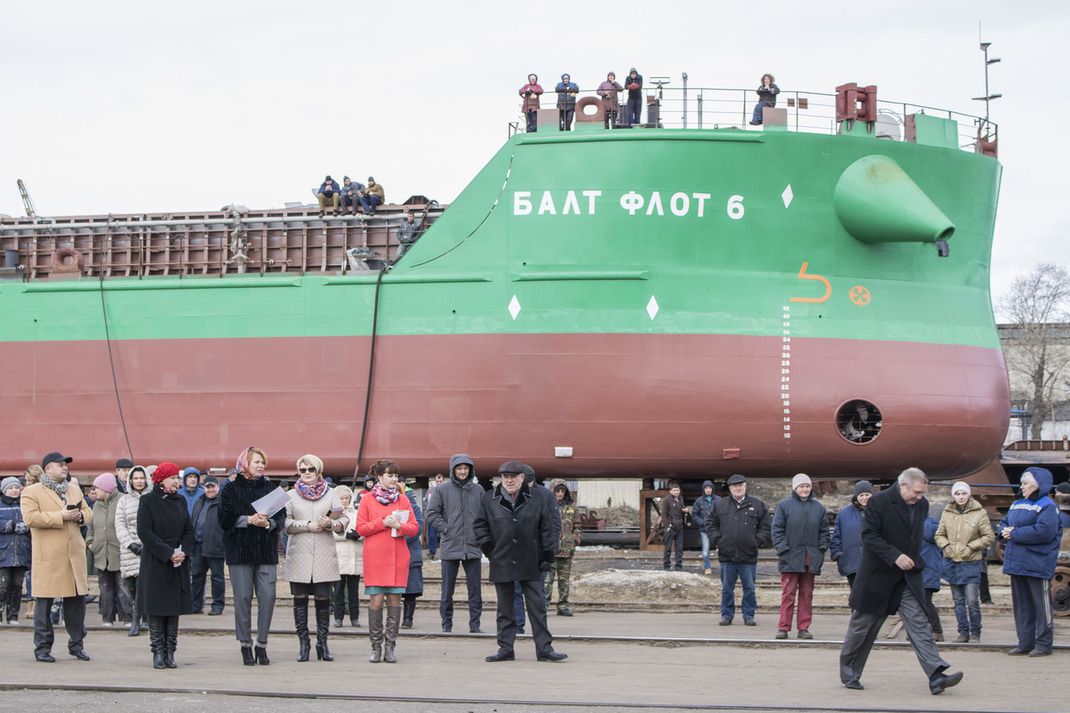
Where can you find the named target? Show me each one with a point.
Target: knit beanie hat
(164, 471)
(105, 482)
(7, 483)
(863, 486)
(960, 487)
(800, 479)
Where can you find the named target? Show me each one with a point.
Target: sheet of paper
(272, 502)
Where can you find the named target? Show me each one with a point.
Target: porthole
(859, 421)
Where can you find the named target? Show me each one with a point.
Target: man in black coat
(513, 530)
(889, 579)
(738, 526)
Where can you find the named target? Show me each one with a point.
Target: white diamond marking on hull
(652, 307)
(787, 195)
(514, 306)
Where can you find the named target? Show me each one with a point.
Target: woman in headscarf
(350, 567)
(166, 534)
(251, 547)
(313, 516)
(130, 546)
(963, 537)
(384, 519)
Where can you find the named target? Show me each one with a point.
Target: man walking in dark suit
(889, 579)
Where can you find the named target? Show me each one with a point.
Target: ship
(653, 302)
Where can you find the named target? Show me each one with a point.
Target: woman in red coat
(384, 519)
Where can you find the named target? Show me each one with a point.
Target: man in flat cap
(55, 511)
(513, 530)
(738, 526)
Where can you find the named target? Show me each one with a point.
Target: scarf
(312, 492)
(386, 497)
(169, 491)
(59, 489)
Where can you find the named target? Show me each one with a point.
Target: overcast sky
(131, 107)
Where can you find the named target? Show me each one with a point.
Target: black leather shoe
(750, 622)
(81, 655)
(501, 656)
(247, 656)
(1037, 652)
(552, 656)
(725, 621)
(1018, 651)
(45, 658)
(854, 686)
(475, 630)
(261, 655)
(447, 628)
(564, 612)
(942, 681)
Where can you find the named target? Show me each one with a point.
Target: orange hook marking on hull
(824, 281)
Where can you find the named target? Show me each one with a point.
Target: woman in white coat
(313, 514)
(129, 543)
(350, 565)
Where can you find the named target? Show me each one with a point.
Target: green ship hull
(599, 303)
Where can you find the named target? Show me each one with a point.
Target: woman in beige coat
(963, 536)
(350, 565)
(312, 515)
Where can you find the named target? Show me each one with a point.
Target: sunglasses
(306, 470)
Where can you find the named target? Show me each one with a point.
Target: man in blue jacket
(1032, 533)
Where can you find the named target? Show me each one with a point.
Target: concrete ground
(616, 660)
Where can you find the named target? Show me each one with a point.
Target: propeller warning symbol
(859, 295)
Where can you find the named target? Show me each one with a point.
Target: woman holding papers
(314, 515)
(384, 519)
(166, 534)
(252, 512)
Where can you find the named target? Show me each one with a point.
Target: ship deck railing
(807, 112)
(230, 241)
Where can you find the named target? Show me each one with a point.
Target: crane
(27, 202)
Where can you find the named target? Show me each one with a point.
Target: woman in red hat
(384, 519)
(166, 534)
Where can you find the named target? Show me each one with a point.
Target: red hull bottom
(626, 404)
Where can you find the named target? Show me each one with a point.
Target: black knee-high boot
(156, 642)
(170, 640)
(409, 611)
(301, 623)
(323, 621)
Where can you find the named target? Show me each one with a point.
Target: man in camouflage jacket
(570, 537)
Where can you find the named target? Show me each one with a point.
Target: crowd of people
(617, 114)
(158, 535)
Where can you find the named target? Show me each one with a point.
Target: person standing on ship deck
(634, 84)
(610, 91)
(530, 106)
(566, 101)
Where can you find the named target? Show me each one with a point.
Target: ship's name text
(632, 202)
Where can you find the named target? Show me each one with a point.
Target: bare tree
(1036, 312)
